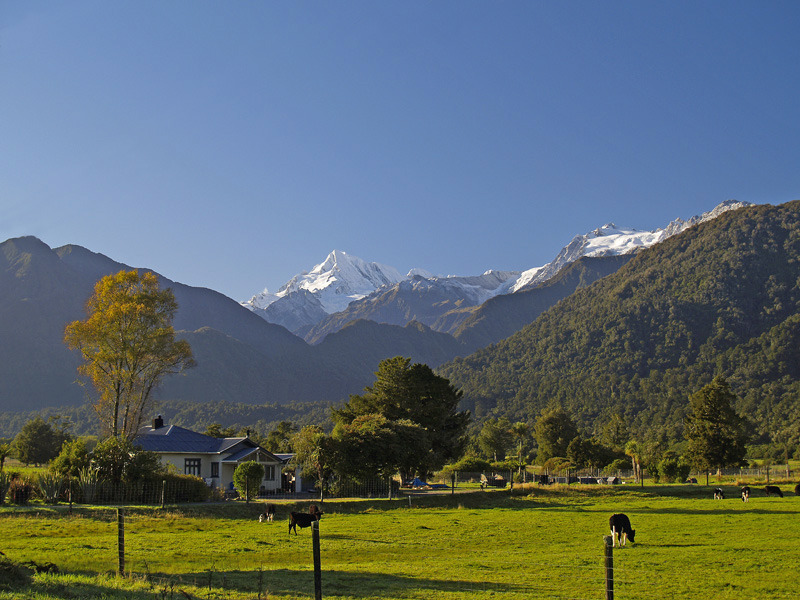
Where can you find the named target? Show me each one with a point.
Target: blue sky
(232, 145)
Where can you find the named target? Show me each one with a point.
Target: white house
(213, 459)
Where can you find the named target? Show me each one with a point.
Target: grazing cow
(621, 526)
(719, 494)
(773, 489)
(745, 493)
(268, 514)
(797, 490)
(302, 520)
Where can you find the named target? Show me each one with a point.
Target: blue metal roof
(176, 439)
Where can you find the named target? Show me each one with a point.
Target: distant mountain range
(344, 288)
(242, 358)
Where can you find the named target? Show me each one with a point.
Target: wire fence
(586, 574)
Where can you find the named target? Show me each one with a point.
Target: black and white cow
(745, 493)
(621, 530)
(268, 514)
(719, 494)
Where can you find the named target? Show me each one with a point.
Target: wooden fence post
(121, 541)
(317, 561)
(163, 492)
(609, 546)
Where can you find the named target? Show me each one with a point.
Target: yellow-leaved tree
(128, 345)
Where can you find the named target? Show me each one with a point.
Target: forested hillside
(720, 298)
(502, 316)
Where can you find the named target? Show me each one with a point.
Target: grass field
(543, 543)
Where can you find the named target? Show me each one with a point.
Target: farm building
(213, 459)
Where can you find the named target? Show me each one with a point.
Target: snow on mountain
(477, 289)
(337, 281)
(342, 279)
(610, 240)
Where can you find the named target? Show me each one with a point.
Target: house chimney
(158, 422)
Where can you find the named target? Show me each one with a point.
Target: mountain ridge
(411, 298)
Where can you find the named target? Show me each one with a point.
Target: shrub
(620, 464)
(184, 488)
(20, 491)
(74, 456)
(470, 464)
(247, 478)
(672, 468)
(117, 460)
(557, 464)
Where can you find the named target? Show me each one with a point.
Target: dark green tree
(495, 438)
(40, 441)
(554, 430)
(247, 478)
(216, 430)
(672, 467)
(373, 446)
(716, 434)
(5, 452)
(315, 452)
(520, 431)
(280, 439)
(118, 460)
(414, 393)
(614, 433)
(73, 458)
(589, 452)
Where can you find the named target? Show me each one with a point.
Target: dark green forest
(720, 298)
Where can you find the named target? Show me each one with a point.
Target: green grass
(543, 543)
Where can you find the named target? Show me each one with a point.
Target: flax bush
(50, 486)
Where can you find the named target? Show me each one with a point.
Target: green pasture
(539, 543)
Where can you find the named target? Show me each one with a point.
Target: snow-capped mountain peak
(342, 278)
(336, 281)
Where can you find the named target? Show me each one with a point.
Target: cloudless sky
(231, 145)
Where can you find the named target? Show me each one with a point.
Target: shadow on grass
(345, 583)
(265, 583)
(739, 509)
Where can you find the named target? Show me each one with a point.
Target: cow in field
(773, 489)
(621, 530)
(745, 493)
(719, 494)
(268, 514)
(797, 490)
(302, 520)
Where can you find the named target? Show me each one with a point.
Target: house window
(191, 466)
(214, 469)
(269, 472)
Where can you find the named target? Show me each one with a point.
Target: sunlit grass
(544, 543)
